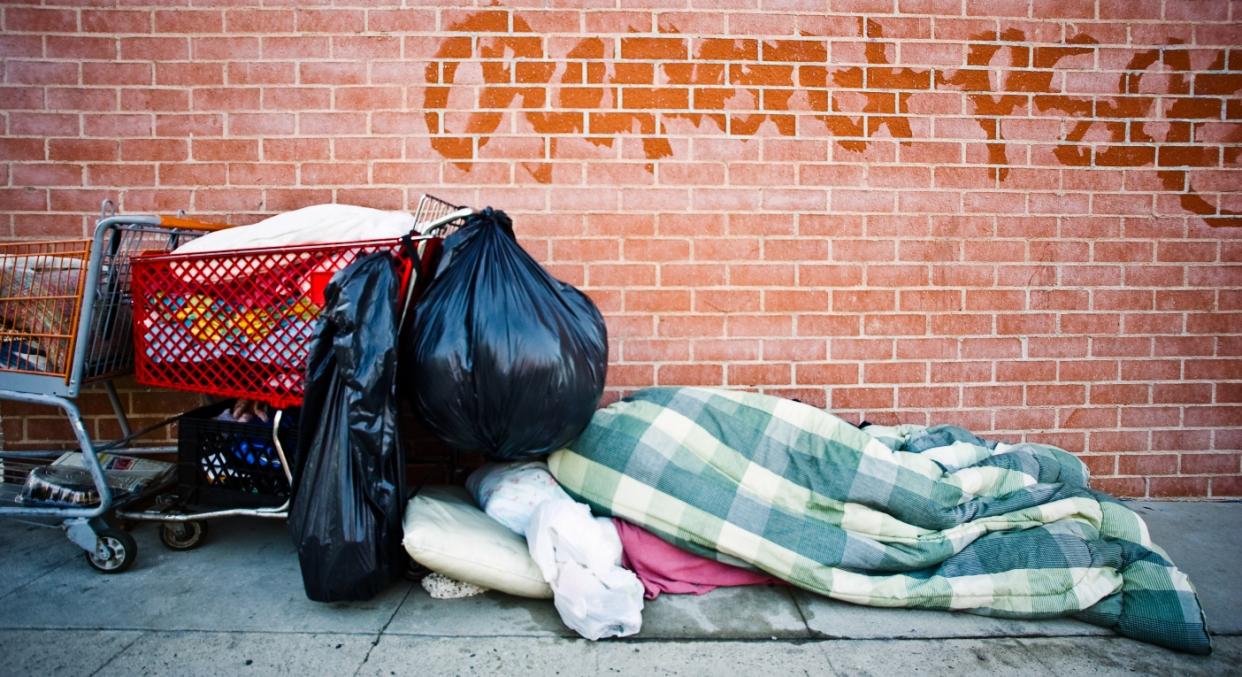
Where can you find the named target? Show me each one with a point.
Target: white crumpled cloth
(579, 556)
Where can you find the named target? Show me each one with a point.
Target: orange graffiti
(589, 92)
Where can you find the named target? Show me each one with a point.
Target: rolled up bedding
(934, 519)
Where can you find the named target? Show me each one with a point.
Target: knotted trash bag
(349, 476)
(505, 359)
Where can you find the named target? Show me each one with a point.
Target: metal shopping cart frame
(96, 349)
(182, 528)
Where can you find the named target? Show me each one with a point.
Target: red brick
(895, 325)
(26, 198)
(895, 372)
(154, 149)
(1026, 371)
(43, 124)
(690, 374)
(1183, 393)
(1119, 393)
(1125, 487)
(79, 47)
(1222, 416)
(796, 350)
(246, 20)
(795, 300)
(192, 174)
(1055, 394)
(639, 350)
(368, 98)
(1147, 417)
(991, 396)
(82, 149)
(759, 374)
(855, 398)
(725, 350)
(1100, 465)
(1119, 440)
(32, 20)
(227, 150)
(1147, 464)
(1210, 464)
(631, 375)
(116, 21)
(827, 325)
(1029, 418)
(914, 397)
(127, 175)
(195, 74)
(1173, 440)
(826, 374)
(41, 73)
(1222, 487)
(299, 149)
(1177, 487)
(261, 174)
(372, 47)
(864, 301)
(653, 48)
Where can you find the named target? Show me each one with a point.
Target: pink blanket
(666, 568)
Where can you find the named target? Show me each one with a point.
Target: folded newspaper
(67, 482)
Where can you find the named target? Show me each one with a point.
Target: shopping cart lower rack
(65, 322)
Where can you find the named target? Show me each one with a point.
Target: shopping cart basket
(238, 324)
(65, 322)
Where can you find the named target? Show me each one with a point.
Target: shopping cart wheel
(115, 551)
(182, 535)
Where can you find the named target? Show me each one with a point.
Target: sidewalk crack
(379, 635)
(810, 634)
(40, 576)
(118, 653)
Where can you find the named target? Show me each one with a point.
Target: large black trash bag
(505, 359)
(350, 471)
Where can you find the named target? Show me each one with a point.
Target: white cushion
(447, 533)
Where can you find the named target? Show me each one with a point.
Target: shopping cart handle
(182, 222)
(460, 213)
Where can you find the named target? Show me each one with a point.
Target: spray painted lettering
(656, 84)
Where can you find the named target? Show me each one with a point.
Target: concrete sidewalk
(236, 606)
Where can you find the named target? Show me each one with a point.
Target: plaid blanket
(942, 522)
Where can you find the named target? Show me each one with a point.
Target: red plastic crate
(237, 323)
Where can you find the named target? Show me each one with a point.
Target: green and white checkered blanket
(801, 494)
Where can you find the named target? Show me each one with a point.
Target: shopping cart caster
(182, 535)
(115, 551)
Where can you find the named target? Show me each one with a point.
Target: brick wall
(1017, 215)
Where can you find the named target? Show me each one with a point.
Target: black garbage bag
(349, 478)
(505, 359)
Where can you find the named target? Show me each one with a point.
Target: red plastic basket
(237, 323)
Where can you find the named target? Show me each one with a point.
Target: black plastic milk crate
(231, 464)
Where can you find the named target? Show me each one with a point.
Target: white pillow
(447, 533)
(510, 492)
(317, 224)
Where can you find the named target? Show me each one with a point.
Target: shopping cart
(237, 324)
(65, 322)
